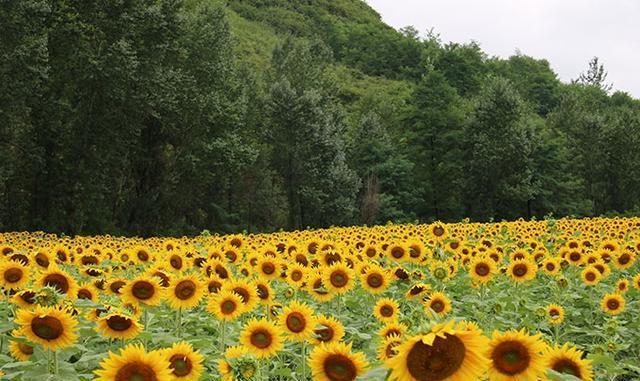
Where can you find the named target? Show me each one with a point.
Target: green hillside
(172, 117)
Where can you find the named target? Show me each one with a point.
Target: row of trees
(140, 118)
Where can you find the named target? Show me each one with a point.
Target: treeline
(145, 118)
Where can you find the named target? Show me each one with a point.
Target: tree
(595, 75)
(436, 119)
(499, 170)
(305, 129)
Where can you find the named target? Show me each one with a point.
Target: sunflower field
(508, 301)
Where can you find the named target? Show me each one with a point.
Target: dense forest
(171, 117)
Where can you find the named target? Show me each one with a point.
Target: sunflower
(143, 290)
(134, 363)
(60, 280)
(236, 362)
(338, 278)
(20, 351)
(622, 286)
(336, 362)
(392, 328)
(118, 326)
(387, 348)
(247, 291)
(296, 274)
(175, 260)
(375, 279)
(613, 304)
(185, 292)
(386, 310)
(446, 353)
(184, 362)
(636, 282)
(317, 288)
(262, 338)
(438, 304)
(438, 231)
(87, 291)
(522, 270)
(50, 327)
(568, 360)
(551, 265)
(115, 285)
(24, 299)
(328, 330)
(264, 291)
(625, 260)
(482, 270)
(13, 275)
(590, 276)
(397, 253)
(42, 258)
(555, 314)
(268, 268)
(516, 356)
(297, 321)
(225, 305)
(417, 290)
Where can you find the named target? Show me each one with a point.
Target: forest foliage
(170, 117)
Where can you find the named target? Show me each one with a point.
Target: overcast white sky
(568, 33)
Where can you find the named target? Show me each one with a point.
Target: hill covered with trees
(170, 117)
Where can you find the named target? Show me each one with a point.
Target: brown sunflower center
(554, 312)
(244, 294)
(624, 259)
(438, 361)
(119, 323)
(437, 306)
(339, 278)
(176, 262)
(550, 266)
(136, 371)
(375, 280)
(296, 322)
(89, 260)
(574, 256)
(520, 270)
(339, 367)
(214, 286)
(324, 333)
(47, 327)
(371, 252)
(613, 304)
(590, 276)
(261, 339)
(26, 349)
(13, 274)
(116, 286)
(42, 260)
(185, 289)
(263, 291)
(438, 231)
(83, 293)
(180, 364)
(566, 366)
(228, 307)
(221, 271)
(511, 357)
(397, 252)
(164, 279)
(268, 268)
(296, 275)
(386, 310)
(143, 290)
(482, 269)
(143, 255)
(58, 281)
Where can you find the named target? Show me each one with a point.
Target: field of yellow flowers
(508, 301)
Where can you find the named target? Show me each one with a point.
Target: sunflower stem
(145, 322)
(179, 323)
(223, 330)
(304, 359)
(55, 363)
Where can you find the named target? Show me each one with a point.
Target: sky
(568, 33)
